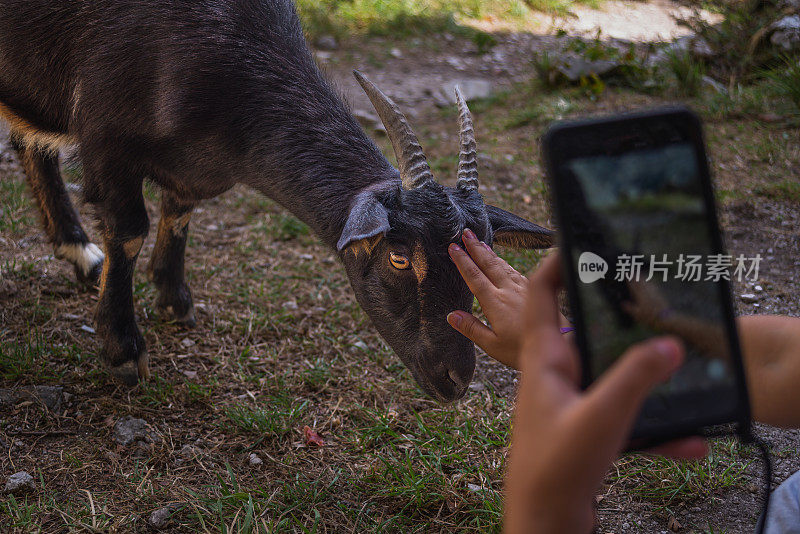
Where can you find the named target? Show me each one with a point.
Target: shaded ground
(280, 344)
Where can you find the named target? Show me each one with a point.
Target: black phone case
(741, 420)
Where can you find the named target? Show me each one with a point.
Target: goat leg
(61, 223)
(117, 194)
(166, 268)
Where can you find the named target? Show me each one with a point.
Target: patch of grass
(685, 72)
(785, 79)
(408, 17)
(787, 189)
(15, 205)
(285, 227)
(271, 418)
(664, 482)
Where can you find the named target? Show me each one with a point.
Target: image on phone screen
(647, 262)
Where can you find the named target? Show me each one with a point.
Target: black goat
(199, 95)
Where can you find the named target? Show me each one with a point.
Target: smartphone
(644, 257)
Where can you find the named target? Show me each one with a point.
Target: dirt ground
(281, 344)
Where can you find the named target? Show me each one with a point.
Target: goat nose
(460, 381)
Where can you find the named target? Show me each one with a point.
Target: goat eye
(399, 261)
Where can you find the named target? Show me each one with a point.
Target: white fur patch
(85, 257)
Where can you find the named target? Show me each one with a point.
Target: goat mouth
(445, 390)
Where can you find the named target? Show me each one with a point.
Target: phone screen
(642, 243)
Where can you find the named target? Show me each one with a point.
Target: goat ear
(367, 223)
(512, 231)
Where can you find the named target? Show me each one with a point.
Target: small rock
(160, 518)
(361, 345)
(50, 396)
(71, 316)
(188, 452)
(186, 342)
(306, 257)
(20, 483)
(574, 67)
(471, 89)
(786, 32)
(715, 85)
(290, 305)
(396, 52)
(212, 227)
(748, 297)
(73, 187)
(477, 386)
(87, 328)
(254, 460)
(701, 48)
(326, 42)
(473, 487)
(129, 429)
(189, 374)
(758, 288)
(456, 63)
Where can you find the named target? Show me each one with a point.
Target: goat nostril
(457, 380)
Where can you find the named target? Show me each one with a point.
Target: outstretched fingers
(493, 266)
(476, 280)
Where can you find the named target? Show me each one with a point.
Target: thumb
(617, 396)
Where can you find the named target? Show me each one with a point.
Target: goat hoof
(177, 307)
(92, 277)
(131, 373)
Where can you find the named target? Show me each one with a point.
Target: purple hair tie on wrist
(567, 329)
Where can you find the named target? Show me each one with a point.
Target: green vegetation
(666, 483)
(15, 206)
(785, 79)
(408, 17)
(686, 73)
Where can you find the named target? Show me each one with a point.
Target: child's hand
(501, 292)
(565, 439)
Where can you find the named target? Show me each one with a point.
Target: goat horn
(414, 169)
(467, 157)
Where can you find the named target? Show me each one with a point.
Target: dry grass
(257, 369)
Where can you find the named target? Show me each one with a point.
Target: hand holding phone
(643, 256)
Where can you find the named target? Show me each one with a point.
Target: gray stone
(361, 345)
(574, 68)
(477, 386)
(749, 297)
(20, 483)
(290, 305)
(188, 452)
(49, 396)
(693, 44)
(396, 52)
(129, 430)
(471, 89)
(715, 85)
(73, 187)
(786, 32)
(160, 518)
(254, 459)
(326, 42)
